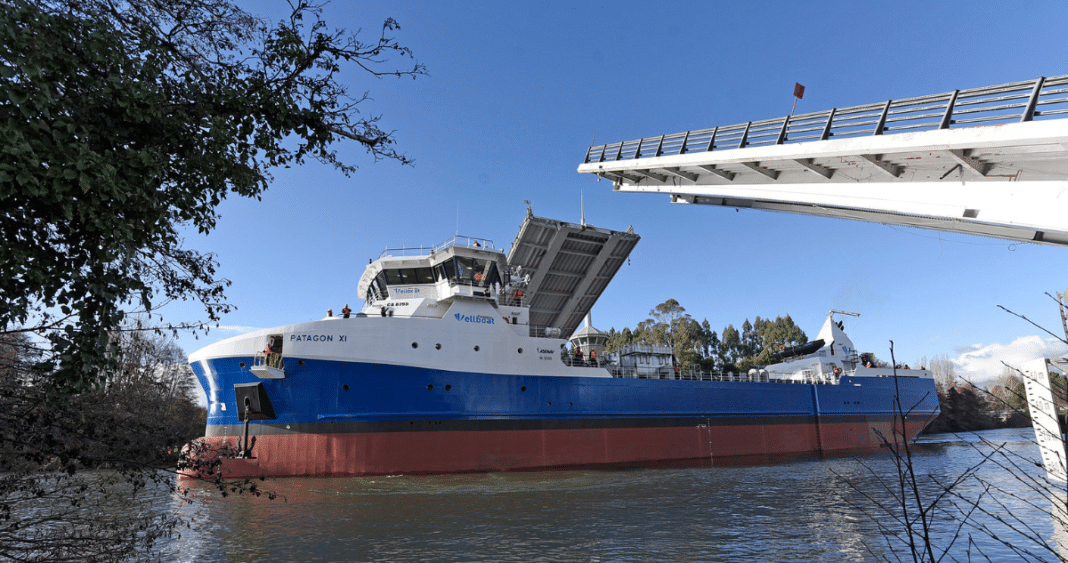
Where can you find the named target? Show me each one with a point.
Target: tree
(730, 348)
(750, 342)
(944, 372)
(51, 508)
(773, 336)
(689, 340)
(708, 335)
(714, 363)
(667, 314)
(120, 122)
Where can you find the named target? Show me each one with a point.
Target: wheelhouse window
(377, 289)
(408, 276)
(447, 270)
(464, 270)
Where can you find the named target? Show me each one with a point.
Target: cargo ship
(462, 359)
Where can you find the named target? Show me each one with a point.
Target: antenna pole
(582, 208)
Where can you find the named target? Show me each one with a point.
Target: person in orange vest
(271, 357)
(578, 356)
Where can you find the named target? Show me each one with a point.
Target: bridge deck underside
(1007, 181)
(988, 161)
(569, 266)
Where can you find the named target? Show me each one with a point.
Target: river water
(790, 510)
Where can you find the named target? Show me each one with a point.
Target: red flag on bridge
(799, 90)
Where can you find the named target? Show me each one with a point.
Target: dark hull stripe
(445, 425)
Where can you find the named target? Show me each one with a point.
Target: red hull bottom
(391, 453)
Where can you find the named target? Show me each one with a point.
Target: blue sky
(515, 94)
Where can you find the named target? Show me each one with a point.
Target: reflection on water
(795, 510)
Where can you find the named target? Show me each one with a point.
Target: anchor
(257, 407)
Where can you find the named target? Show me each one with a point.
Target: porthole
(476, 348)
(300, 362)
(437, 346)
(520, 350)
(345, 387)
(523, 388)
(447, 387)
(242, 364)
(415, 344)
(430, 387)
(550, 403)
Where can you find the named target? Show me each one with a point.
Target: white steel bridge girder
(1021, 211)
(1006, 181)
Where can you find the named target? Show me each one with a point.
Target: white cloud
(981, 364)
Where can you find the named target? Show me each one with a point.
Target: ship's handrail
(694, 374)
(508, 299)
(422, 250)
(261, 359)
(1018, 101)
(545, 331)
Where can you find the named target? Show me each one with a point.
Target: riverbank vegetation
(124, 123)
(78, 471)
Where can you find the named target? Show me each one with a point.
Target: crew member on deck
(593, 357)
(346, 311)
(578, 356)
(270, 353)
(330, 312)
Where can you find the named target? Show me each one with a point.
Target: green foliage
(78, 472)
(773, 336)
(967, 408)
(730, 348)
(120, 123)
(697, 343)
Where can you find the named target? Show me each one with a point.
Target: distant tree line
(696, 344)
(967, 407)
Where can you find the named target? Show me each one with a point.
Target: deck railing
(422, 250)
(1016, 102)
(694, 374)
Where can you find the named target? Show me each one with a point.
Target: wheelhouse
(462, 266)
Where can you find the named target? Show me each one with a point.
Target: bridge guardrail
(1029, 100)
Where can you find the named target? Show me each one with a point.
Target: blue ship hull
(350, 418)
